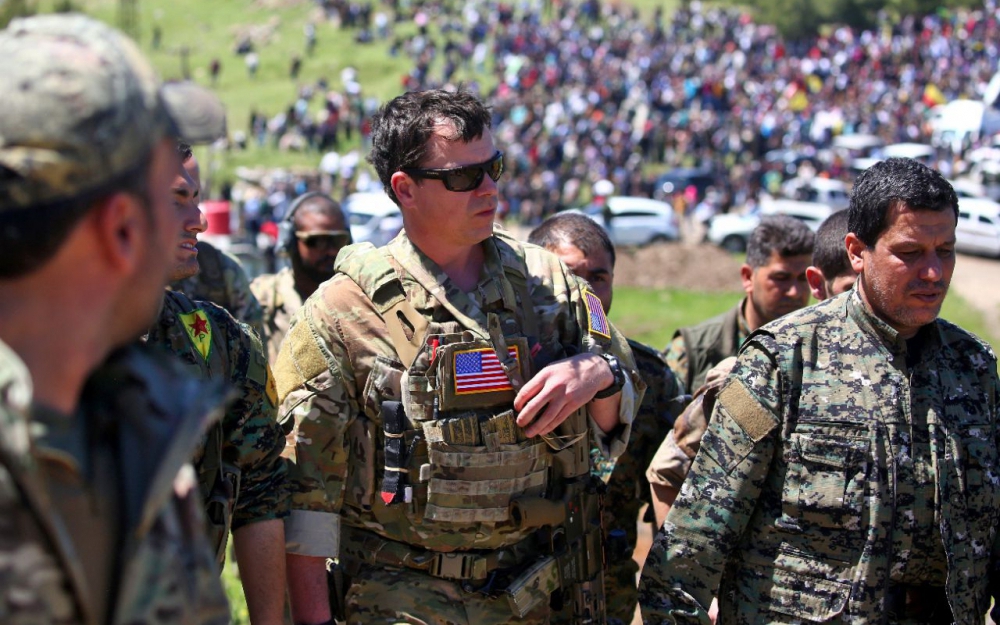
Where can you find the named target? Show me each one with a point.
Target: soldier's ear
(404, 186)
(817, 282)
(855, 247)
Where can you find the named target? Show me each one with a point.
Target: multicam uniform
(847, 475)
(696, 349)
(223, 281)
(404, 428)
(279, 301)
(99, 517)
(240, 469)
(628, 489)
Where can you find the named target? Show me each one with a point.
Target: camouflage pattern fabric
(672, 461)
(628, 489)
(279, 301)
(696, 349)
(251, 439)
(164, 571)
(338, 365)
(222, 280)
(793, 509)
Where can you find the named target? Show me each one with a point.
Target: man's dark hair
(30, 237)
(896, 180)
(573, 229)
(830, 254)
(783, 234)
(403, 126)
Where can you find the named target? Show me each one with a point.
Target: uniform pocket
(795, 586)
(382, 384)
(825, 484)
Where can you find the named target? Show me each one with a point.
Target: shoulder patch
(199, 330)
(746, 411)
(597, 322)
(300, 360)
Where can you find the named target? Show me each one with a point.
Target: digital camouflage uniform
(222, 280)
(105, 500)
(240, 469)
(841, 463)
(696, 349)
(628, 489)
(440, 494)
(279, 301)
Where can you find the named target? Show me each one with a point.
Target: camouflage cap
(83, 107)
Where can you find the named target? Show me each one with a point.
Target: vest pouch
(471, 482)
(383, 384)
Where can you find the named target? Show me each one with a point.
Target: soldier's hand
(558, 390)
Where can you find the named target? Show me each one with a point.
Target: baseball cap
(83, 107)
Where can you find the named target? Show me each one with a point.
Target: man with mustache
(240, 469)
(849, 471)
(774, 279)
(446, 390)
(312, 234)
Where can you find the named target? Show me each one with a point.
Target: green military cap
(83, 107)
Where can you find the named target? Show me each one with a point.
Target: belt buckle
(459, 566)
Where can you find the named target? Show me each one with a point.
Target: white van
(978, 229)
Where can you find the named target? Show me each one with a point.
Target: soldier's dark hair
(783, 234)
(185, 151)
(402, 127)
(830, 254)
(573, 229)
(30, 237)
(890, 182)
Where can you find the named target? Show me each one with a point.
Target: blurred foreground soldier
(441, 387)
(586, 249)
(313, 233)
(240, 469)
(219, 277)
(774, 279)
(101, 521)
(849, 473)
(831, 272)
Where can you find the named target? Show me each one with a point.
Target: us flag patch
(597, 322)
(479, 371)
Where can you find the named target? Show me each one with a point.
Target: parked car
(978, 228)
(373, 217)
(833, 193)
(676, 180)
(732, 231)
(637, 220)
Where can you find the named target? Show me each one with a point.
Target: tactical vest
(708, 344)
(218, 479)
(436, 459)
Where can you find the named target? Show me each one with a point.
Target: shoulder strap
(516, 270)
(377, 273)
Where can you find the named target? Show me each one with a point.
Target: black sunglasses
(328, 240)
(465, 178)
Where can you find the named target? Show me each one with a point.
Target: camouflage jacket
(142, 418)
(696, 349)
(793, 500)
(240, 469)
(280, 301)
(339, 364)
(222, 280)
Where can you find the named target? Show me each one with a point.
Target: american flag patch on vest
(479, 371)
(597, 323)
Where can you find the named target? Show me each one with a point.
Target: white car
(833, 193)
(373, 217)
(978, 228)
(637, 220)
(732, 231)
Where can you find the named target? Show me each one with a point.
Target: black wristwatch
(616, 370)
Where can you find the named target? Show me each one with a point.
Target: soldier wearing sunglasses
(446, 390)
(313, 232)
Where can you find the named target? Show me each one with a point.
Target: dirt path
(977, 280)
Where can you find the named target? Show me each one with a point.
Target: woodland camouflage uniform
(240, 469)
(442, 519)
(628, 489)
(840, 461)
(107, 491)
(279, 301)
(223, 281)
